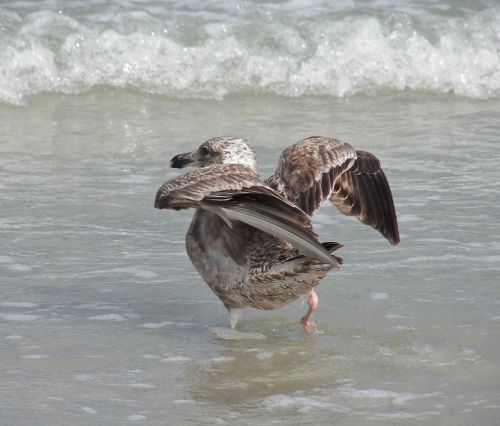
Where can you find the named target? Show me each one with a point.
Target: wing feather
(308, 169)
(364, 192)
(194, 186)
(317, 168)
(235, 193)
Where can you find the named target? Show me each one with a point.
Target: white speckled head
(218, 150)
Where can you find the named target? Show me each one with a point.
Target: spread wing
(317, 168)
(307, 170)
(235, 193)
(363, 191)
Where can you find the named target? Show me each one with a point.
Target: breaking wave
(213, 49)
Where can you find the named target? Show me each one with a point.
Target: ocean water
(199, 49)
(103, 319)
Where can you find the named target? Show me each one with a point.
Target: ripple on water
(176, 358)
(84, 377)
(139, 386)
(14, 337)
(222, 359)
(20, 317)
(35, 356)
(379, 296)
(184, 401)
(129, 270)
(11, 264)
(156, 324)
(19, 267)
(398, 316)
(397, 398)
(136, 418)
(107, 317)
(230, 334)
(99, 306)
(19, 304)
(301, 403)
(347, 399)
(136, 179)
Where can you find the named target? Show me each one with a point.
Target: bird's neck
(245, 158)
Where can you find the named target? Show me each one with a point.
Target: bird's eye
(204, 150)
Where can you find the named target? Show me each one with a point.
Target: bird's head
(218, 150)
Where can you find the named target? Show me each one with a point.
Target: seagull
(251, 240)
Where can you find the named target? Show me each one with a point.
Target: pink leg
(312, 301)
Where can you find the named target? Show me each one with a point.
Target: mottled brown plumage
(252, 241)
(317, 168)
(363, 192)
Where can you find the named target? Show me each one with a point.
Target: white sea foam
(210, 52)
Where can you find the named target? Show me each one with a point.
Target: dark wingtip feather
(159, 204)
(363, 191)
(394, 237)
(332, 246)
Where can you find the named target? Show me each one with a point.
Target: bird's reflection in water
(287, 360)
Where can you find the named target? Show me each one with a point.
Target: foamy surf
(211, 51)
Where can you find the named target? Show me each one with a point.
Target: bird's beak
(183, 160)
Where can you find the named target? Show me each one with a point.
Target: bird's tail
(332, 246)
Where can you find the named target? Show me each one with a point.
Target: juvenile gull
(251, 240)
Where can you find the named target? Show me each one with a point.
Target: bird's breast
(208, 245)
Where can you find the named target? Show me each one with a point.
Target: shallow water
(104, 320)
